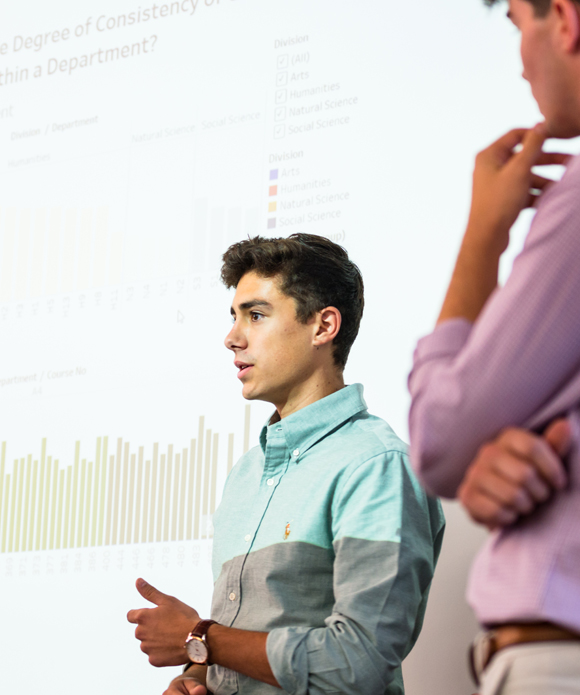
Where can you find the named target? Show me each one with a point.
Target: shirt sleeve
(387, 535)
(518, 365)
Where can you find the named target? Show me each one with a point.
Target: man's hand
(184, 685)
(503, 183)
(164, 629)
(511, 476)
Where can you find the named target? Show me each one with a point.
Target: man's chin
(562, 129)
(249, 392)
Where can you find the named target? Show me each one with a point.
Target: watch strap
(200, 630)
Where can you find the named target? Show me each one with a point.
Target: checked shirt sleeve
(518, 365)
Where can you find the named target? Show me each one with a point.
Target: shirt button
(232, 596)
(248, 537)
(270, 481)
(296, 452)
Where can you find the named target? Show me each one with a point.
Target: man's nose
(235, 338)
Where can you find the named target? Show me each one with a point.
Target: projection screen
(138, 142)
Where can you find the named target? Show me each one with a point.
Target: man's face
(545, 69)
(274, 354)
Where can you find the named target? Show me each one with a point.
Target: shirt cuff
(283, 653)
(446, 340)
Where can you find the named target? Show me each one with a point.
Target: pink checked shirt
(518, 365)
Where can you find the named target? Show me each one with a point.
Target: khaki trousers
(541, 668)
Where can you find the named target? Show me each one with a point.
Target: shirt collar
(309, 425)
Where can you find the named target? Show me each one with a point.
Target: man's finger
(511, 139)
(548, 158)
(512, 483)
(538, 452)
(150, 592)
(559, 437)
(484, 510)
(540, 182)
(502, 150)
(532, 144)
(134, 616)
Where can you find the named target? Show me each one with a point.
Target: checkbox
(272, 206)
(279, 131)
(271, 223)
(282, 62)
(272, 191)
(281, 79)
(280, 113)
(281, 96)
(273, 174)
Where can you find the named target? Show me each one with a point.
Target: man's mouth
(243, 368)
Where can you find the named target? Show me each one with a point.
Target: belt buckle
(482, 649)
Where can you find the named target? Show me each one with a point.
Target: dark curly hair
(313, 270)
(541, 7)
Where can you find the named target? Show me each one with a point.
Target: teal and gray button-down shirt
(325, 540)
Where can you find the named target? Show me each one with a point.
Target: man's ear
(329, 321)
(567, 16)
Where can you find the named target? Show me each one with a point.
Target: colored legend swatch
(118, 496)
(272, 204)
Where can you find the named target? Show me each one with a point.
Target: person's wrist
(488, 238)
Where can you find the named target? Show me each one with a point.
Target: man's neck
(320, 385)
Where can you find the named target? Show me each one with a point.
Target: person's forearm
(243, 651)
(474, 278)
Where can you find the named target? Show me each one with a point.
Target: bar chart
(119, 495)
(48, 251)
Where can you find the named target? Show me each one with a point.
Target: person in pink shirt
(495, 411)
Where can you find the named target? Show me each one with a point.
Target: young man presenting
(510, 358)
(324, 542)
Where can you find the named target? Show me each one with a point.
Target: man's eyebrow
(244, 306)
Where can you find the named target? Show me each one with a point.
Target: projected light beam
(119, 496)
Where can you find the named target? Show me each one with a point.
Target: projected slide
(138, 141)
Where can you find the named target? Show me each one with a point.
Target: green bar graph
(104, 499)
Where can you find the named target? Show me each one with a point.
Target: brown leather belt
(486, 644)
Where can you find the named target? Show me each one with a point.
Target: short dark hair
(313, 270)
(541, 7)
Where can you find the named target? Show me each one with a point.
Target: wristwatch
(196, 643)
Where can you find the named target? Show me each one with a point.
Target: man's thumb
(559, 436)
(532, 144)
(150, 592)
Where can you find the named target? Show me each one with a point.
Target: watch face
(196, 650)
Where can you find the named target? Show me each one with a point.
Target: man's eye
(255, 316)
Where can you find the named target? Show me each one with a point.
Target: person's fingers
(509, 481)
(484, 510)
(547, 158)
(537, 451)
(134, 616)
(150, 592)
(186, 686)
(502, 150)
(511, 139)
(540, 182)
(532, 143)
(559, 436)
